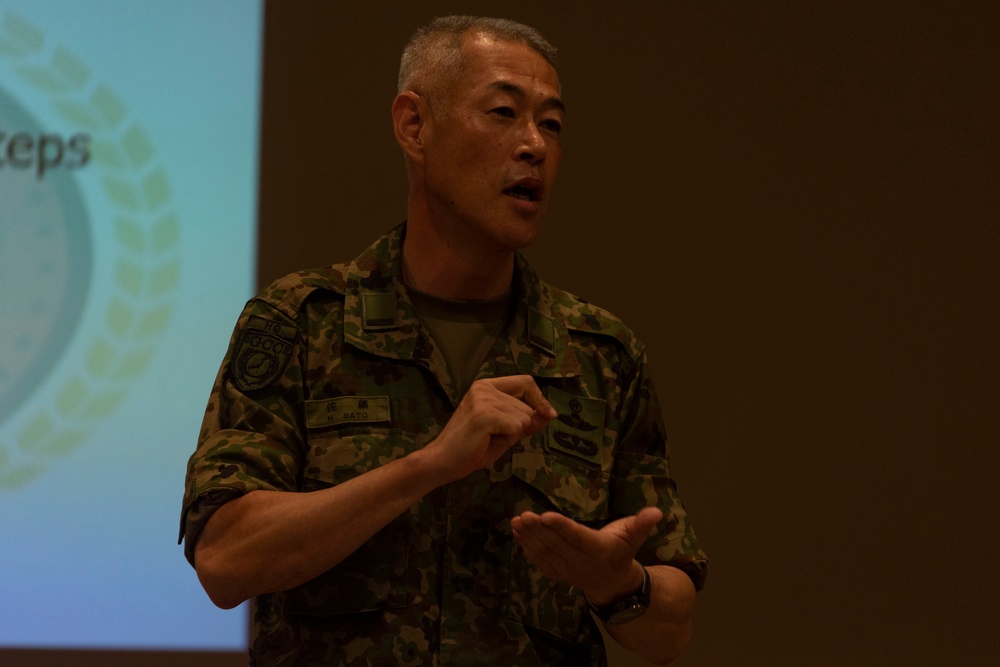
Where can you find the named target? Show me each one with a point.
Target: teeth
(521, 192)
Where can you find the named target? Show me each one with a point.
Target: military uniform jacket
(330, 374)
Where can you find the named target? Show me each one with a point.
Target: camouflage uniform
(330, 374)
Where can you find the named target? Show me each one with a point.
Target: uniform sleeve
(642, 479)
(251, 435)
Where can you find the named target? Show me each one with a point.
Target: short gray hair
(435, 49)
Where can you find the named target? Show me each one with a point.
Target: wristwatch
(627, 607)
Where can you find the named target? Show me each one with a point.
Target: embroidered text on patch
(347, 410)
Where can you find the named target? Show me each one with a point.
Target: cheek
(476, 156)
(555, 156)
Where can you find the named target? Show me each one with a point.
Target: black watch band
(627, 607)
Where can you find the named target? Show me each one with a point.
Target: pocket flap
(575, 490)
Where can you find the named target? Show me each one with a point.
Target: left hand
(601, 563)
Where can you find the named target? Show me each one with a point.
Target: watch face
(635, 610)
(45, 259)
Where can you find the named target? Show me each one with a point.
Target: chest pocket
(375, 576)
(567, 467)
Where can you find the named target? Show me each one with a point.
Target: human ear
(409, 114)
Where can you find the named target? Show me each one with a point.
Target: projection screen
(128, 165)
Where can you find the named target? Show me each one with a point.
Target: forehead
(487, 60)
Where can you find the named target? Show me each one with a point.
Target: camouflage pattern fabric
(330, 374)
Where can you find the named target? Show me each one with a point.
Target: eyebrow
(516, 90)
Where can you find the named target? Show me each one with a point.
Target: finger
(544, 538)
(631, 532)
(507, 415)
(540, 557)
(501, 415)
(647, 518)
(524, 521)
(523, 387)
(643, 522)
(534, 521)
(531, 535)
(537, 423)
(635, 529)
(567, 529)
(506, 422)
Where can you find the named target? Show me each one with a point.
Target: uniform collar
(379, 317)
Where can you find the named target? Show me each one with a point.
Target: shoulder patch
(262, 353)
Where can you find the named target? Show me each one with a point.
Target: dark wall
(795, 208)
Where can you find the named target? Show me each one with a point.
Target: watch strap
(628, 606)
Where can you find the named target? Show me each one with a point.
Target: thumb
(635, 529)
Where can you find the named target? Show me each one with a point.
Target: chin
(506, 230)
(521, 234)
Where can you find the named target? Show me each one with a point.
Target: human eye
(505, 112)
(551, 125)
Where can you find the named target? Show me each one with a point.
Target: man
(429, 456)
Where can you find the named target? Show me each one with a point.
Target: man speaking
(428, 455)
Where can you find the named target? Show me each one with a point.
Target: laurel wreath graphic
(147, 262)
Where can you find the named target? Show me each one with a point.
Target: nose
(530, 146)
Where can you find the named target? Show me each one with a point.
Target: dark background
(795, 206)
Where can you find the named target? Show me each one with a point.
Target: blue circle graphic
(46, 259)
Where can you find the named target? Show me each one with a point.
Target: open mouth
(521, 192)
(526, 190)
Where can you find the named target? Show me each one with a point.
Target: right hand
(495, 414)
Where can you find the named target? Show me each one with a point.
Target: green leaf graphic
(146, 266)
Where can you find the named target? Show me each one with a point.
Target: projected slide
(128, 149)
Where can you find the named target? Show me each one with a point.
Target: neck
(438, 266)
